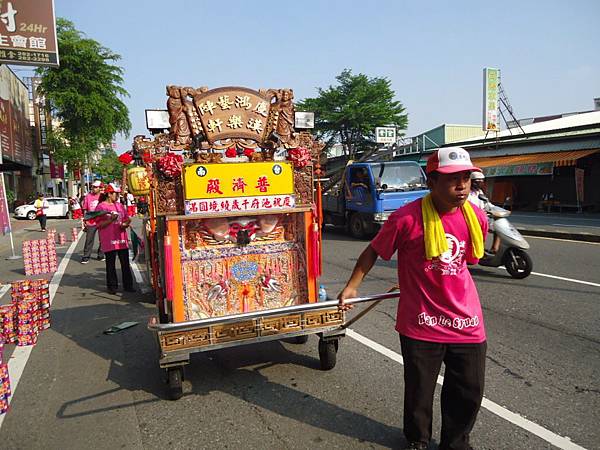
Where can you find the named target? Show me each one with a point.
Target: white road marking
(139, 277)
(572, 280)
(19, 358)
(518, 420)
(4, 289)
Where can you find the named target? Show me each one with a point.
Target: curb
(583, 237)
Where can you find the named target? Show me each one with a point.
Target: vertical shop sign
(579, 185)
(491, 81)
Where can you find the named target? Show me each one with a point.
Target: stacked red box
(74, 233)
(9, 329)
(52, 235)
(39, 257)
(5, 391)
(62, 238)
(28, 313)
(27, 326)
(41, 289)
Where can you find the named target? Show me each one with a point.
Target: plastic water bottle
(322, 294)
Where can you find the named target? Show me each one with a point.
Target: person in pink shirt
(439, 316)
(112, 229)
(90, 202)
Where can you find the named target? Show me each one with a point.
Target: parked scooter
(511, 253)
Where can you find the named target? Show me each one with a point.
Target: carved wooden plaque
(233, 112)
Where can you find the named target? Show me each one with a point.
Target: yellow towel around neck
(435, 236)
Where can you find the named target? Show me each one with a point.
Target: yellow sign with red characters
(203, 181)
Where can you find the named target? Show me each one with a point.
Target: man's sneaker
(130, 289)
(85, 260)
(111, 291)
(102, 258)
(417, 446)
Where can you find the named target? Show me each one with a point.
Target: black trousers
(42, 220)
(111, 272)
(462, 390)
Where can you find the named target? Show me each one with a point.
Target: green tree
(109, 168)
(349, 112)
(84, 93)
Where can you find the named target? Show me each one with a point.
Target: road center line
(518, 420)
(19, 358)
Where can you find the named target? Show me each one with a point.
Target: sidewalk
(572, 226)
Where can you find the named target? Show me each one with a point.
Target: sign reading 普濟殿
(237, 180)
(28, 33)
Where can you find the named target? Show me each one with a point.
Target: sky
(432, 51)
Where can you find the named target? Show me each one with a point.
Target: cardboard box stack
(39, 256)
(62, 238)
(4, 382)
(9, 329)
(27, 314)
(74, 233)
(21, 321)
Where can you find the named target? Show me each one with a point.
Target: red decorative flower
(230, 152)
(299, 156)
(126, 158)
(147, 157)
(248, 152)
(170, 165)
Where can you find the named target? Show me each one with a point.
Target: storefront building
(553, 165)
(15, 137)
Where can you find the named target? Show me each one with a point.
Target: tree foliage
(349, 112)
(84, 93)
(109, 168)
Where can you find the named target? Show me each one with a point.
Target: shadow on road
(133, 357)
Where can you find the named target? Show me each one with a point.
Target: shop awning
(559, 159)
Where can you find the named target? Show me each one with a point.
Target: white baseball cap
(450, 160)
(97, 183)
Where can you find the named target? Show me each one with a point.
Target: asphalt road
(83, 389)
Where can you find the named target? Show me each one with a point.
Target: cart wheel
(328, 354)
(300, 339)
(175, 380)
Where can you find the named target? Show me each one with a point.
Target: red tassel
(315, 251)
(168, 267)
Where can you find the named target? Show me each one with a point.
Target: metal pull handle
(179, 326)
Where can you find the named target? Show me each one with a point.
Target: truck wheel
(175, 382)
(357, 226)
(328, 354)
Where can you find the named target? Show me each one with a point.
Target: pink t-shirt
(438, 299)
(113, 237)
(90, 202)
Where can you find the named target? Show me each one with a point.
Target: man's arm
(362, 267)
